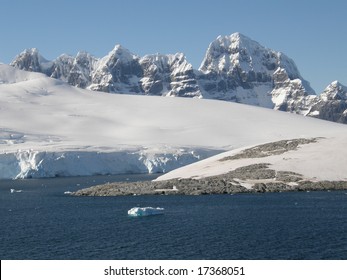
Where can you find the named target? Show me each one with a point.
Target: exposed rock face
(61, 69)
(235, 68)
(331, 104)
(118, 72)
(74, 70)
(169, 75)
(290, 95)
(31, 60)
(239, 69)
(80, 73)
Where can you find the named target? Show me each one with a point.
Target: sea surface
(42, 222)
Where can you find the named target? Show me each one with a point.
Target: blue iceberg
(145, 211)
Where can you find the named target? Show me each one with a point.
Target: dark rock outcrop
(331, 105)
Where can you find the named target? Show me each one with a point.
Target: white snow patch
(314, 113)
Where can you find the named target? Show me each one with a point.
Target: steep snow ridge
(49, 128)
(121, 53)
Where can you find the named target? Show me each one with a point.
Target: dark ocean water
(43, 223)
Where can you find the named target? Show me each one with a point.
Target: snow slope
(324, 160)
(49, 128)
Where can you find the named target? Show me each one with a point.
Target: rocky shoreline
(248, 179)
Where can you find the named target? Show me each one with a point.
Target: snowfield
(323, 160)
(49, 128)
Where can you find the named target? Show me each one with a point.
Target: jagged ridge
(235, 68)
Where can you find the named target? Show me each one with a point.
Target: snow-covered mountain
(235, 68)
(118, 72)
(169, 75)
(239, 69)
(331, 104)
(50, 128)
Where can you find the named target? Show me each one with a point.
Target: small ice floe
(67, 192)
(15, 191)
(145, 211)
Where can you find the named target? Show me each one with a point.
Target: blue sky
(310, 32)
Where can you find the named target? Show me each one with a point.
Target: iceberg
(145, 211)
(14, 191)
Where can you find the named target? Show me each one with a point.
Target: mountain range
(235, 68)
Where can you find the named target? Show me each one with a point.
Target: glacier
(50, 128)
(39, 164)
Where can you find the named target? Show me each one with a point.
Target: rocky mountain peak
(31, 60)
(170, 75)
(239, 69)
(331, 104)
(235, 68)
(237, 51)
(119, 71)
(334, 91)
(121, 53)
